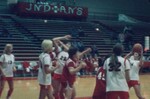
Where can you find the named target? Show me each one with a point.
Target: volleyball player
(136, 62)
(117, 74)
(7, 67)
(45, 70)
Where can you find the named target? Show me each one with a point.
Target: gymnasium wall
(136, 7)
(3, 7)
(105, 7)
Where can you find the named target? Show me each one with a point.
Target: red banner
(52, 10)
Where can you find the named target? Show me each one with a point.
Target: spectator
(128, 37)
(81, 32)
(114, 36)
(81, 46)
(121, 37)
(5, 33)
(74, 32)
(94, 51)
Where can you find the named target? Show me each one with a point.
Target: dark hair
(72, 51)
(117, 51)
(65, 41)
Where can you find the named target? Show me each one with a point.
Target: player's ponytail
(113, 60)
(117, 51)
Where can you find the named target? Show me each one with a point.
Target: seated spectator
(74, 32)
(121, 37)
(94, 51)
(81, 46)
(128, 37)
(81, 32)
(114, 36)
(5, 33)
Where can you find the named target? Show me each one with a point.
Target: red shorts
(132, 83)
(116, 94)
(56, 76)
(65, 84)
(7, 78)
(101, 95)
(45, 86)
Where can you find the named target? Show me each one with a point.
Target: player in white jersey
(61, 59)
(62, 56)
(45, 70)
(7, 67)
(136, 62)
(117, 74)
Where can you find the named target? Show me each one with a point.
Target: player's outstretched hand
(67, 36)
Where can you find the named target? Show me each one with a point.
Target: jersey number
(101, 76)
(114, 68)
(63, 58)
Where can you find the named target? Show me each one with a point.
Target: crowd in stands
(126, 37)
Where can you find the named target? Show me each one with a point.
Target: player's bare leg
(49, 93)
(11, 88)
(73, 93)
(43, 93)
(68, 93)
(138, 91)
(56, 87)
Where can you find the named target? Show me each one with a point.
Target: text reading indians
(56, 9)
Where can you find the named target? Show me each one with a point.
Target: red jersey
(100, 87)
(89, 66)
(66, 76)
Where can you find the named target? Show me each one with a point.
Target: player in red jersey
(73, 65)
(100, 87)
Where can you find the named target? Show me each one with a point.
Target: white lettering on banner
(79, 11)
(47, 8)
(37, 7)
(30, 7)
(71, 10)
(56, 9)
(63, 9)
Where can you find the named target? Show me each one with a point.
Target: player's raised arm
(66, 37)
(63, 45)
(84, 52)
(56, 40)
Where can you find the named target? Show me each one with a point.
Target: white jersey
(61, 59)
(115, 77)
(43, 78)
(134, 72)
(7, 64)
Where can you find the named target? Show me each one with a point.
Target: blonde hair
(47, 45)
(7, 48)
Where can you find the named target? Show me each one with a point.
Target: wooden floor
(29, 89)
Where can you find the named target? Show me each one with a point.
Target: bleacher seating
(27, 34)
